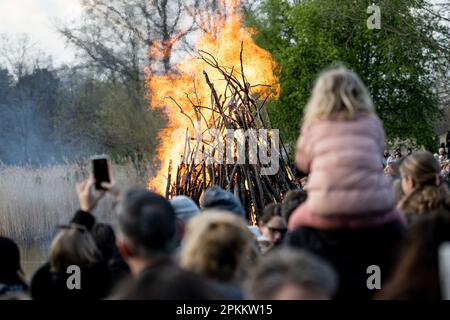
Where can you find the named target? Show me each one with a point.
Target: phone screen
(101, 173)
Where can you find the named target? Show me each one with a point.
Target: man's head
(220, 199)
(147, 225)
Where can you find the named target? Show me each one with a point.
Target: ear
(124, 249)
(412, 183)
(180, 225)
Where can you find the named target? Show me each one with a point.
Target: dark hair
(291, 201)
(10, 269)
(291, 266)
(105, 238)
(10, 256)
(416, 275)
(167, 283)
(148, 221)
(271, 210)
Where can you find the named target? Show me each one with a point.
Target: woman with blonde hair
(217, 246)
(73, 252)
(350, 215)
(422, 186)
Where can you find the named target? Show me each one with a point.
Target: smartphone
(100, 171)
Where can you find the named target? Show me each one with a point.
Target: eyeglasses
(280, 230)
(69, 226)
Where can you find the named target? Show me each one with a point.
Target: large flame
(187, 83)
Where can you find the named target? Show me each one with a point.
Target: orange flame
(188, 84)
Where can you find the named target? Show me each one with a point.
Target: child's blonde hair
(338, 94)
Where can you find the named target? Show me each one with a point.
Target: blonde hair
(422, 167)
(338, 94)
(216, 245)
(73, 245)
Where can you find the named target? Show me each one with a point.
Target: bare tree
(116, 34)
(21, 56)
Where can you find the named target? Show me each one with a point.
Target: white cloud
(37, 18)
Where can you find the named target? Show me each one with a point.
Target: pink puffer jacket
(344, 159)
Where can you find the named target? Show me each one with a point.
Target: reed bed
(34, 200)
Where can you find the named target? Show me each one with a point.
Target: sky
(38, 18)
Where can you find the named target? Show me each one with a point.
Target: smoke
(32, 119)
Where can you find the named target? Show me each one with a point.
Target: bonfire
(222, 90)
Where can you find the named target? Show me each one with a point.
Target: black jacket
(351, 252)
(118, 269)
(96, 281)
(95, 284)
(84, 218)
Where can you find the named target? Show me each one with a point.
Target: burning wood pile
(229, 144)
(214, 101)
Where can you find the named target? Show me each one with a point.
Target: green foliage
(103, 117)
(397, 62)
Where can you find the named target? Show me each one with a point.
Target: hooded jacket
(346, 186)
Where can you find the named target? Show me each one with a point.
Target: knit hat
(185, 208)
(218, 198)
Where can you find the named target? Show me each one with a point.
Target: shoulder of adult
(84, 218)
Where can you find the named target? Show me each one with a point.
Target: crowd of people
(361, 209)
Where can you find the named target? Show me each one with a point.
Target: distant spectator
(423, 189)
(288, 274)
(393, 170)
(272, 226)
(386, 156)
(408, 152)
(217, 246)
(12, 279)
(396, 156)
(220, 199)
(185, 208)
(416, 276)
(442, 155)
(292, 200)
